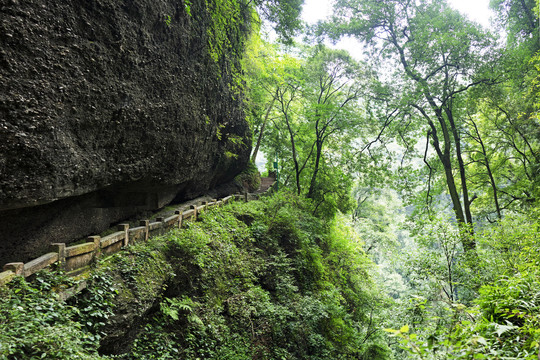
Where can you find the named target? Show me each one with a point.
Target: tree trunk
(284, 104)
(445, 158)
(461, 166)
(295, 160)
(315, 170)
(259, 139)
(488, 169)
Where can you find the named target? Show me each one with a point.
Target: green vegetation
(35, 325)
(263, 279)
(435, 134)
(249, 178)
(407, 222)
(266, 280)
(455, 307)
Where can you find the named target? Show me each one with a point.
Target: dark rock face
(108, 107)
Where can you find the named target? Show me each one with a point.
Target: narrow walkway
(266, 182)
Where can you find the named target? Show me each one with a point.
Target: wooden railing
(76, 258)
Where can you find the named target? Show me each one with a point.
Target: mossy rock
(250, 178)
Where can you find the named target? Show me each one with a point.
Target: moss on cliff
(262, 280)
(250, 178)
(140, 274)
(112, 107)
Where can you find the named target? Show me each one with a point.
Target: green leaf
(404, 329)
(501, 329)
(480, 340)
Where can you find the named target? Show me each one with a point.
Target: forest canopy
(430, 140)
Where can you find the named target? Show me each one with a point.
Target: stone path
(266, 182)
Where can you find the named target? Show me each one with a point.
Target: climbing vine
(229, 27)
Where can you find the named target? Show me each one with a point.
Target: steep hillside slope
(257, 280)
(108, 107)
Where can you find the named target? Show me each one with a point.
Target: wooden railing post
(60, 248)
(145, 223)
(180, 217)
(125, 229)
(97, 245)
(194, 207)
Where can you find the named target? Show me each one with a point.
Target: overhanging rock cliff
(109, 107)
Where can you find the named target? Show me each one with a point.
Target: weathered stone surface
(79, 249)
(171, 221)
(77, 263)
(137, 234)
(188, 214)
(105, 110)
(96, 240)
(112, 249)
(6, 276)
(17, 268)
(41, 262)
(112, 239)
(60, 249)
(72, 291)
(125, 229)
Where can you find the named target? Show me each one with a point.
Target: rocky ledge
(107, 108)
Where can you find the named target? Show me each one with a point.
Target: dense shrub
(258, 280)
(503, 320)
(35, 325)
(265, 280)
(250, 178)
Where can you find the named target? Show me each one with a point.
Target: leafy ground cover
(258, 280)
(265, 280)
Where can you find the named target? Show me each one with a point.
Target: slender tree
(334, 87)
(437, 51)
